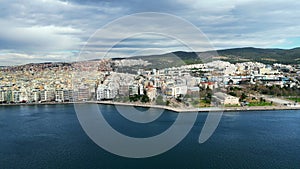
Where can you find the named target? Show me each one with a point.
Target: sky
(62, 30)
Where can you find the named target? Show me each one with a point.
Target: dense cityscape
(187, 86)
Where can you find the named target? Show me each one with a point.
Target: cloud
(38, 38)
(16, 58)
(47, 28)
(153, 31)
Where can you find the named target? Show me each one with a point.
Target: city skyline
(149, 84)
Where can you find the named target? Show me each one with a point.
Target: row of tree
(276, 90)
(141, 98)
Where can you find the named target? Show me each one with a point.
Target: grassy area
(195, 103)
(294, 99)
(260, 104)
(232, 105)
(204, 103)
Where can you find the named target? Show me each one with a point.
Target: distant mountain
(267, 56)
(170, 59)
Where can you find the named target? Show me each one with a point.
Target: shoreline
(204, 109)
(33, 104)
(174, 109)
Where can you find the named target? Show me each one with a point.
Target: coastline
(200, 110)
(174, 109)
(33, 104)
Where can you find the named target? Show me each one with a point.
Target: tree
(134, 98)
(179, 98)
(145, 99)
(261, 99)
(159, 100)
(208, 97)
(232, 93)
(243, 96)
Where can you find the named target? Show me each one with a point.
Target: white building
(176, 90)
(83, 93)
(267, 71)
(225, 99)
(47, 95)
(16, 96)
(3, 95)
(36, 95)
(63, 95)
(151, 93)
(133, 89)
(105, 92)
(24, 94)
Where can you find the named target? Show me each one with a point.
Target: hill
(267, 56)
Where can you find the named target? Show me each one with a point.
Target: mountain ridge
(233, 55)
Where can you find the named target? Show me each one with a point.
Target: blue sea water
(50, 136)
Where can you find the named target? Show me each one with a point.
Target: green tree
(232, 93)
(208, 97)
(145, 99)
(134, 98)
(243, 96)
(159, 100)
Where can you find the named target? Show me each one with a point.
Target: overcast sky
(53, 30)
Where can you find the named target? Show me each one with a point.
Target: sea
(50, 136)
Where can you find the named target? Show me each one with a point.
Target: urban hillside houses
(103, 80)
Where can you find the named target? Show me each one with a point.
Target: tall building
(47, 95)
(133, 89)
(64, 95)
(36, 95)
(83, 93)
(124, 90)
(151, 92)
(59, 95)
(3, 95)
(16, 96)
(176, 90)
(105, 92)
(8, 96)
(70, 94)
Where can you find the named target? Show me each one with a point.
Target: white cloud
(12, 58)
(39, 38)
(42, 27)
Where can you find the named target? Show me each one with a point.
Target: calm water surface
(50, 136)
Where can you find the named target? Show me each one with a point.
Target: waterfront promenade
(202, 109)
(174, 109)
